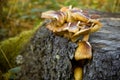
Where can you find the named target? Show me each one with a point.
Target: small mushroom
(82, 54)
(83, 51)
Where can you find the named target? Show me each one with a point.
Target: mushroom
(83, 53)
(72, 23)
(71, 20)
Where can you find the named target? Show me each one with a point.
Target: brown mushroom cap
(96, 25)
(78, 15)
(71, 22)
(59, 16)
(83, 51)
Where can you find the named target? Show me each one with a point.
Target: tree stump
(50, 57)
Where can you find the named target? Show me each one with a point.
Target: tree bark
(106, 57)
(50, 57)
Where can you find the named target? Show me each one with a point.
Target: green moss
(11, 47)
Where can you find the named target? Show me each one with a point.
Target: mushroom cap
(49, 14)
(71, 22)
(77, 14)
(54, 15)
(83, 51)
(95, 26)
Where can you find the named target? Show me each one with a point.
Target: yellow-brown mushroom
(82, 53)
(72, 23)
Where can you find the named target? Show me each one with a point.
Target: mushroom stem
(78, 73)
(85, 37)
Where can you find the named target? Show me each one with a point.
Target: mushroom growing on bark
(83, 51)
(72, 23)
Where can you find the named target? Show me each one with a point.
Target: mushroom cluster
(72, 23)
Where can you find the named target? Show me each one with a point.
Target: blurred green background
(20, 15)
